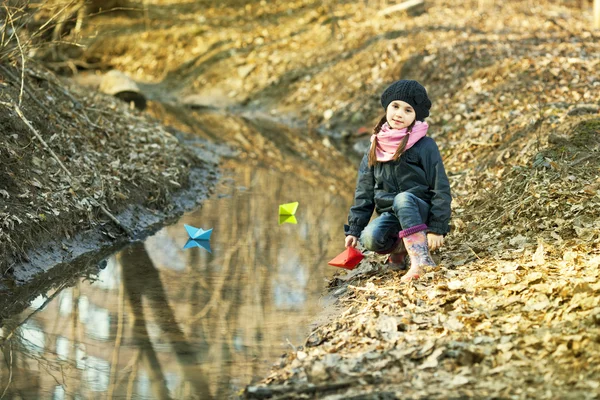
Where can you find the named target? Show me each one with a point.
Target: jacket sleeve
(364, 203)
(440, 211)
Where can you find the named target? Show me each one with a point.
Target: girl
(402, 177)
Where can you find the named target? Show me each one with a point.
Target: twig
(9, 17)
(27, 90)
(66, 93)
(22, 54)
(41, 29)
(555, 22)
(39, 137)
(564, 28)
(79, 63)
(365, 289)
(407, 5)
(473, 251)
(146, 15)
(582, 159)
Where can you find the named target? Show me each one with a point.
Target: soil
(512, 309)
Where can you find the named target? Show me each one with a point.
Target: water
(163, 322)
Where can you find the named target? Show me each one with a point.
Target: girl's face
(400, 115)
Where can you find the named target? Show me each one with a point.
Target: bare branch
(10, 18)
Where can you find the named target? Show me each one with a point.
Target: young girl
(402, 177)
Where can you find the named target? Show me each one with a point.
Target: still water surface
(163, 322)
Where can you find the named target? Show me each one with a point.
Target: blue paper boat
(205, 244)
(197, 233)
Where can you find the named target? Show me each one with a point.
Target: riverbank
(511, 311)
(82, 174)
(505, 314)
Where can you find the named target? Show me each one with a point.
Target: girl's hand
(351, 241)
(434, 241)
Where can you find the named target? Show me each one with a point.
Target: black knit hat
(411, 92)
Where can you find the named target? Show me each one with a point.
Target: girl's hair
(373, 150)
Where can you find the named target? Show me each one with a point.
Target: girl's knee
(404, 198)
(370, 240)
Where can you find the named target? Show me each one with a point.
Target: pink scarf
(388, 139)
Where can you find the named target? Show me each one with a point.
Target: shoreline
(68, 259)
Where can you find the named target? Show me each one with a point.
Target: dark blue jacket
(419, 170)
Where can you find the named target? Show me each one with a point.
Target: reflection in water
(38, 302)
(289, 281)
(59, 393)
(109, 278)
(32, 337)
(142, 279)
(65, 299)
(62, 348)
(163, 322)
(97, 323)
(96, 373)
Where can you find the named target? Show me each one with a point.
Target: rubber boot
(418, 252)
(397, 258)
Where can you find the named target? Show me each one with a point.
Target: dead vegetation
(72, 159)
(50, 30)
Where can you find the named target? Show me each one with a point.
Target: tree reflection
(141, 279)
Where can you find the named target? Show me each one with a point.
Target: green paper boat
(287, 219)
(286, 213)
(288, 208)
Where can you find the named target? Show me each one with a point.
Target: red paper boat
(348, 259)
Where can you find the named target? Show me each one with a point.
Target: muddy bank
(81, 175)
(58, 262)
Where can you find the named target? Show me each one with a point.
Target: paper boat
(287, 219)
(348, 259)
(198, 233)
(205, 244)
(286, 213)
(288, 208)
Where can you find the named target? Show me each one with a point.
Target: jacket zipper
(394, 177)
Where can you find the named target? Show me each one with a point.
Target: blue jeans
(407, 211)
